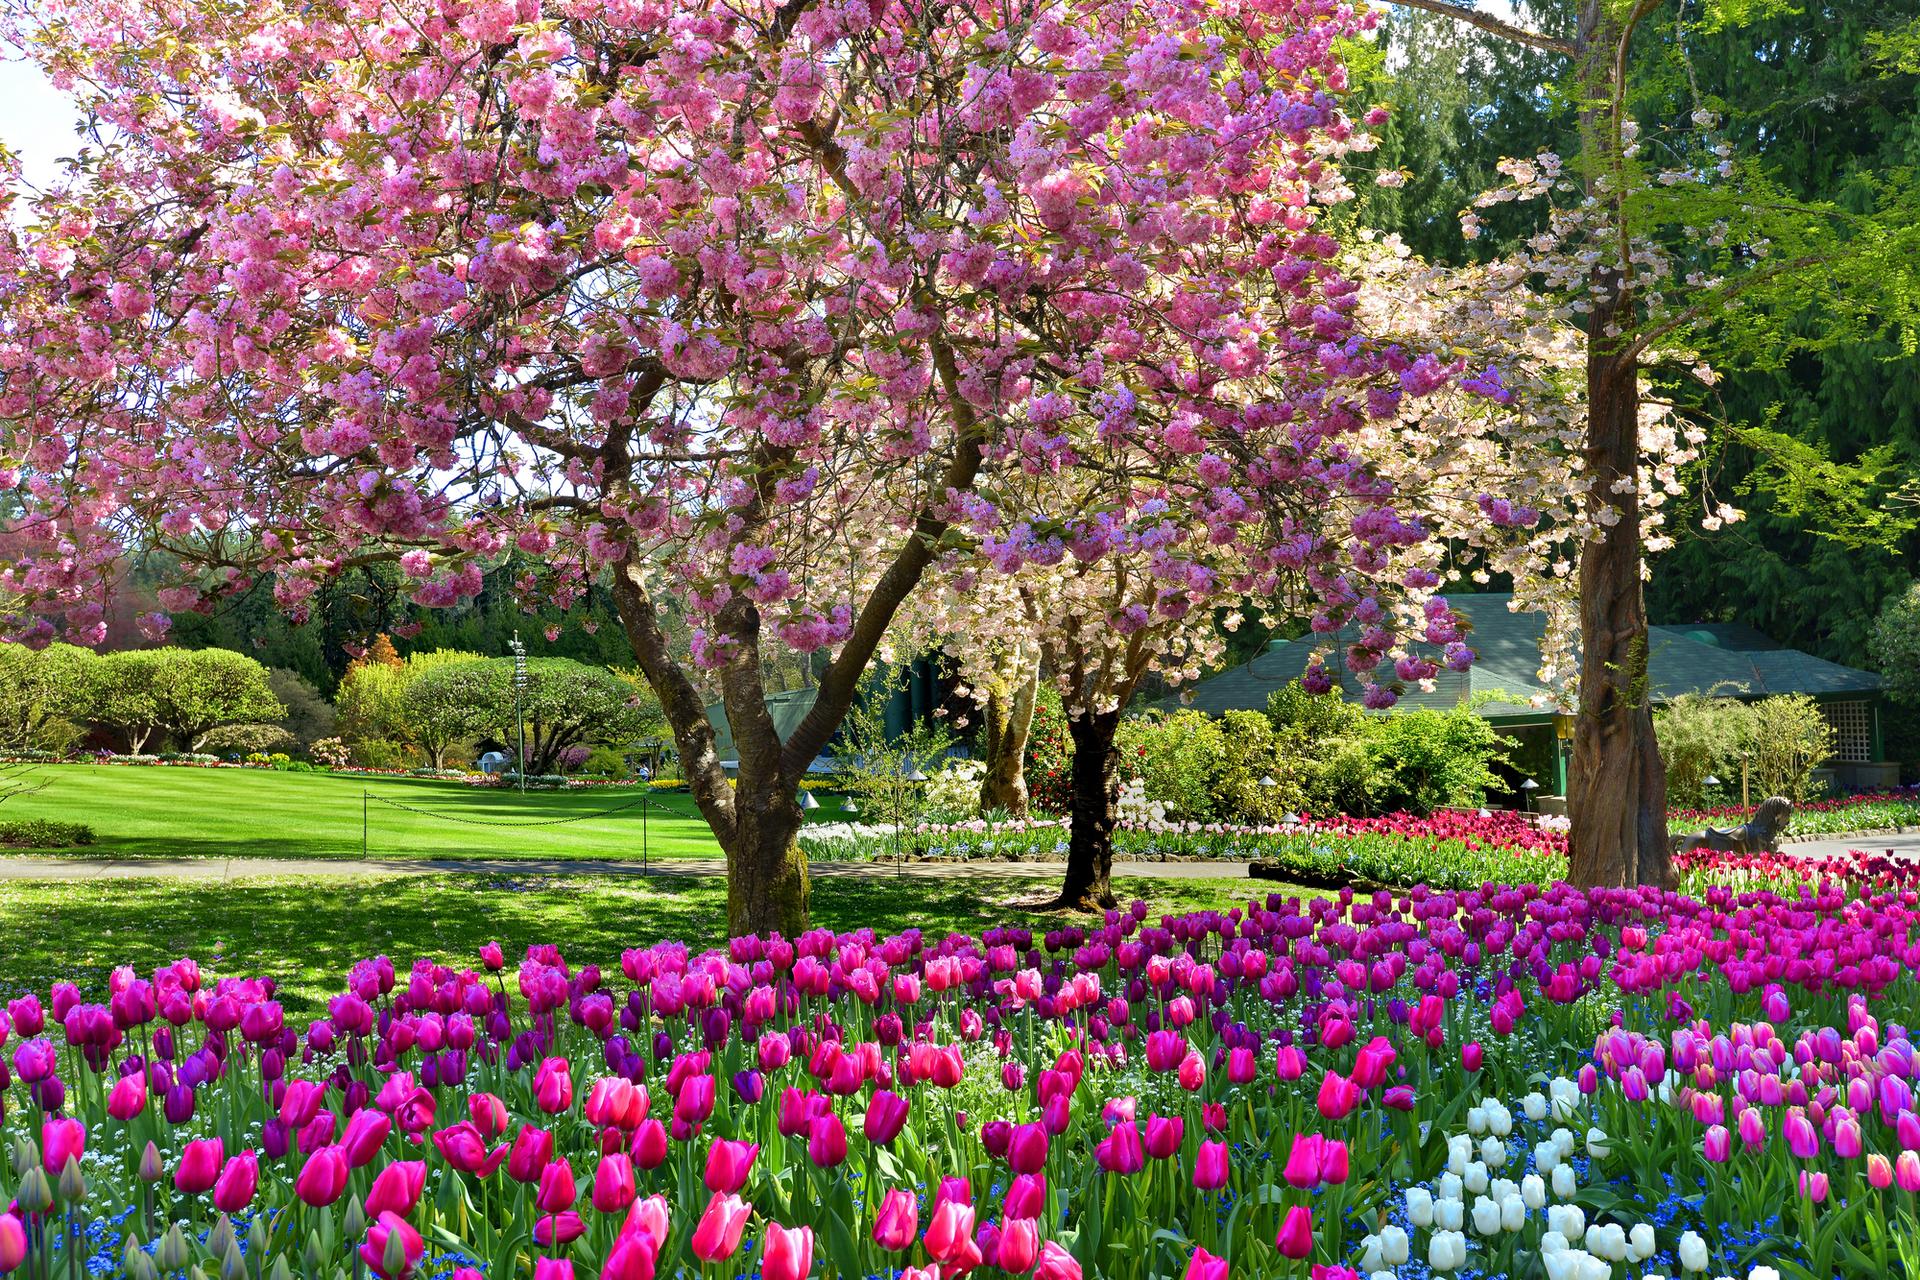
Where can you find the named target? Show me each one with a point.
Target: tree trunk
(1009, 720)
(1096, 792)
(137, 739)
(1617, 789)
(768, 889)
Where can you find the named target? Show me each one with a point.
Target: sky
(36, 120)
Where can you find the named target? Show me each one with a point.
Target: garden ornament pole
(519, 682)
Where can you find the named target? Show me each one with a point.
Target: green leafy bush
(1790, 739)
(1701, 736)
(606, 762)
(1049, 760)
(1178, 757)
(44, 833)
(1426, 760)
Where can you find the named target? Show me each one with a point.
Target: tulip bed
(1501, 1081)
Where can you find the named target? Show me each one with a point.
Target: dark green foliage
(44, 833)
(1049, 762)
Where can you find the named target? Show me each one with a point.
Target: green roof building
(1699, 658)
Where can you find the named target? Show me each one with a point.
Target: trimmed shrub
(44, 833)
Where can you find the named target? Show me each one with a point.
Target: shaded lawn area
(162, 812)
(307, 934)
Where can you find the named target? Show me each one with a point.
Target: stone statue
(1760, 833)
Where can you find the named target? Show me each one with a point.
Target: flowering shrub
(1598, 1084)
(1868, 811)
(952, 794)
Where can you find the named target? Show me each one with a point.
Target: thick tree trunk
(768, 888)
(1009, 721)
(1617, 789)
(1096, 792)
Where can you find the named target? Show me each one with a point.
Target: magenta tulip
(322, 1178)
(557, 1192)
(61, 1140)
(396, 1188)
(373, 1251)
(1296, 1232)
(613, 1188)
(1204, 1266)
(886, 1116)
(898, 1224)
(233, 1189)
(1210, 1166)
(1019, 1246)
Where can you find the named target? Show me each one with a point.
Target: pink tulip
(1056, 1264)
(718, 1235)
(1338, 1096)
(558, 1228)
(532, 1152)
(557, 1192)
(1164, 1136)
(1210, 1166)
(886, 1116)
(396, 1188)
(61, 1140)
(1296, 1232)
(1717, 1145)
(552, 1269)
(1019, 1246)
(489, 1115)
(1027, 1148)
(950, 1231)
(650, 1145)
(788, 1252)
(553, 1086)
(1204, 1266)
(613, 1188)
(1906, 1171)
(827, 1141)
(322, 1178)
(129, 1096)
(1026, 1197)
(233, 1189)
(1879, 1171)
(366, 1133)
(1303, 1160)
(373, 1251)
(634, 1256)
(199, 1166)
(13, 1243)
(898, 1223)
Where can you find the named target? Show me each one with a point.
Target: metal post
(645, 804)
(363, 824)
(1745, 801)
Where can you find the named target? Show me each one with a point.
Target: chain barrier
(494, 822)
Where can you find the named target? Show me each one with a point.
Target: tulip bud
(152, 1167)
(35, 1193)
(220, 1239)
(355, 1224)
(281, 1271)
(171, 1253)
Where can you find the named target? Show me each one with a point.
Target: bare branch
(1494, 26)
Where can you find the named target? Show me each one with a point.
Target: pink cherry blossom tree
(738, 304)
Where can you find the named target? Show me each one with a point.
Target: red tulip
(233, 1189)
(396, 1188)
(898, 1223)
(718, 1235)
(199, 1166)
(788, 1252)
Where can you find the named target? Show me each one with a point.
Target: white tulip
(1486, 1216)
(1570, 1220)
(1693, 1252)
(1534, 1105)
(1546, 1157)
(1501, 1188)
(1448, 1215)
(1449, 1187)
(1395, 1247)
(1513, 1213)
(1476, 1120)
(1493, 1152)
(1564, 1265)
(1598, 1144)
(1641, 1244)
(1763, 1273)
(1459, 1151)
(1371, 1255)
(1564, 1183)
(1477, 1178)
(1552, 1242)
(1533, 1190)
(1563, 1139)
(1609, 1241)
(1420, 1206)
(1440, 1251)
(1383, 1275)
(1499, 1119)
(1592, 1268)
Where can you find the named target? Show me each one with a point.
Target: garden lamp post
(520, 683)
(1710, 782)
(807, 802)
(848, 806)
(1529, 787)
(909, 778)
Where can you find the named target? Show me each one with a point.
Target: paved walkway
(1905, 845)
(229, 869)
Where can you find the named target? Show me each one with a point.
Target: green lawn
(161, 812)
(308, 933)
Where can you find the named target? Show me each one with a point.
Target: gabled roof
(1704, 657)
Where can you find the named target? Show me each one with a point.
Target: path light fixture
(1529, 786)
(1711, 781)
(519, 685)
(807, 801)
(849, 806)
(1268, 781)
